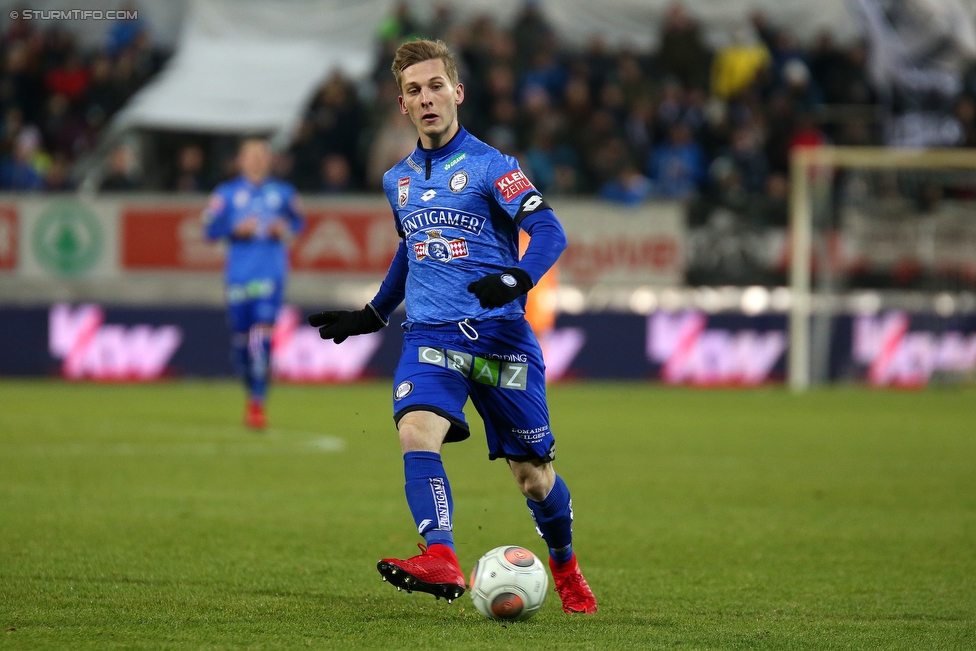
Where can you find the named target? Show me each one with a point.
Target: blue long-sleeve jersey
(260, 256)
(458, 210)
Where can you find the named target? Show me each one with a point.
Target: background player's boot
(254, 414)
(435, 570)
(573, 589)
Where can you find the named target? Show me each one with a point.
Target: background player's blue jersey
(260, 257)
(458, 209)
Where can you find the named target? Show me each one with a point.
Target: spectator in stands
(629, 187)
(965, 112)
(336, 174)
(22, 83)
(738, 65)
(671, 107)
(748, 159)
(441, 22)
(551, 163)
(67, 132)
(545, 73)
(189, 171)
(394, 141)
(121, 176)
(682, 52)
(531, 32)
(125, 81)
(677, 167)
(101, 94)
(337, 122)
(398, 26)
(123, 33)
(24, 168)
(58, 178)
(780, 118)
(71, 79)
(306, 155)
(596, 65)
(782, 47)
(806, 132)
(639, 128)
(608, 160)
(796, 83)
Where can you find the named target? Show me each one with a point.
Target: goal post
(812, 175)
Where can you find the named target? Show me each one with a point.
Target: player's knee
(535, 480)
(422, 430)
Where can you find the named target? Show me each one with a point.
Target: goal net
(884, 238)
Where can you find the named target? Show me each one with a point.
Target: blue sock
(554, 520)
(241, 358)
(260, 362)
(429, 496)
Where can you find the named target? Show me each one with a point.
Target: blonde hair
(413, 52)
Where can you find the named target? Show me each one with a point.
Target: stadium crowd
(684, 120)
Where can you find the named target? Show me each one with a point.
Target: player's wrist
(523, 281)
(384, 320)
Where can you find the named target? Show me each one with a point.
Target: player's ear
(459, 94)
(403, 107)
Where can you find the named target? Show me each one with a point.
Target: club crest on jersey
(513, 184)
(440, 248)
(459, 180)
(403, 390)
(403, 191)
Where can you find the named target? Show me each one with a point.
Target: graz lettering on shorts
(494, 372)
(531, 435)
(421, 219)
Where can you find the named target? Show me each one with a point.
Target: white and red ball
(509, 584)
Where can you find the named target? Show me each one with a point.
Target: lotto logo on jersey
(403, 191)
(513, 184)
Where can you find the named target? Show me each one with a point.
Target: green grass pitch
(146, 517)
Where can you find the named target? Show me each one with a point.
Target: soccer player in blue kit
(256, 213)
(458, 205)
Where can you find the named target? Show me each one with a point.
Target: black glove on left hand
(495, 290)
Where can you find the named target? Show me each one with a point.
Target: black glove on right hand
(341, 324)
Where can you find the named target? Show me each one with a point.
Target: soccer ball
(509, 584)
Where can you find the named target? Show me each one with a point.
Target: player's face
(431, 100)
(255, 160)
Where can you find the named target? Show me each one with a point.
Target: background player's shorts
(502, 371)
(256, 301)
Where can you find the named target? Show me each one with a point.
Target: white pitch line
(312, 443)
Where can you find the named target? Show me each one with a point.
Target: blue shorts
(503, 373)
(252, 303)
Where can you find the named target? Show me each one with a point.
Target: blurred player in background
(458, 206)
(256, 214)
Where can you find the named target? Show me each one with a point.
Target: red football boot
(254, 415)
(573, 590)
(435, 570)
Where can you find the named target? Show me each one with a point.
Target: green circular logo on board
(67, 238)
